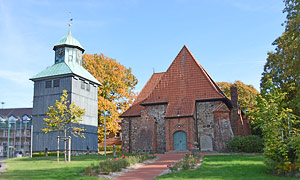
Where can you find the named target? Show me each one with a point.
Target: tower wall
(46, 97)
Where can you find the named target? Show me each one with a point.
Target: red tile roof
(184, 82)
(136, 108)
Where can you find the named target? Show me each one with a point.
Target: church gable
(184, 82)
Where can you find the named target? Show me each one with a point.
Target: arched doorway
(180, 142)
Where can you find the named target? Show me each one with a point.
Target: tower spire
(70, 22)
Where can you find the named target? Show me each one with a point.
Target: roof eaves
(124, 116)
(154, 103)
(225, 100)
(52, 76)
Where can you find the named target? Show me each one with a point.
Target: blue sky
(229, 38)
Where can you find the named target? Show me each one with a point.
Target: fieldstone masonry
(158, 113)
(214, 129)
(179, 107)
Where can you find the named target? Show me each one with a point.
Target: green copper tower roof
(68, 40)
(65, 67)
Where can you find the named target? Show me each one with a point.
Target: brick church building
(179, 107)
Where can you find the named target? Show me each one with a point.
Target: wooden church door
(180, 142)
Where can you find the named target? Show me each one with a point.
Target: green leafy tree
(246, 93)
(64, 117)
(246, 98)
(280, 132)
(283, 65)
(116, 93)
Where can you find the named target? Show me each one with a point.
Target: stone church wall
(138, 134)
(145, 133)
(214, 128)
(158, 113)
(126, 133)
(222, 128)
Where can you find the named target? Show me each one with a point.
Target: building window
(82, 84)
(5, 133)
(18, 133)
(48, 84)
(28, 133)
(5, 146)
(26, 146)
(56, 83)
(88, 87)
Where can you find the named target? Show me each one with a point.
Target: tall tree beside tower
(116, 93)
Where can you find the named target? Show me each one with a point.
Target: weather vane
(71, 19)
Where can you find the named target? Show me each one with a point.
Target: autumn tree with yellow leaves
(116, 91)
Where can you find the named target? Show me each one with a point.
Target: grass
(48, 168)
(230, 167)
(227, 167)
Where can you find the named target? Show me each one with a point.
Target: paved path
(150, 171)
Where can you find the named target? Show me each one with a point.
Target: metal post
(46, 152)
(31, 138)
(65, 149)
(104, 134)
(114, 150)
(69, 153)
(25, 133)
(105, 113)
(15, 133)
(20, 135)
(8, 138)
(57, 148)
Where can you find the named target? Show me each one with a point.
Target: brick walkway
(150, 171)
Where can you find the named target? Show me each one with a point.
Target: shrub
(110, 148)
(116, 164)
(41, 154)
(253, 143)
(189, 161)
(247, 144)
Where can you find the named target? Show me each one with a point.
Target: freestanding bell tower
(68, 74)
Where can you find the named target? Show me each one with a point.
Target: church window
(82, 84)
(48, 84)
(88, 87)
(56, 83)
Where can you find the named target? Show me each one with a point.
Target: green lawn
(227, 167)
(48, 168)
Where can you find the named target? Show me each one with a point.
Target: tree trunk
(65, 145)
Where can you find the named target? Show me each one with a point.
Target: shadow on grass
(48, 168)
(233, 167)
(51, 173)
(61, 158)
